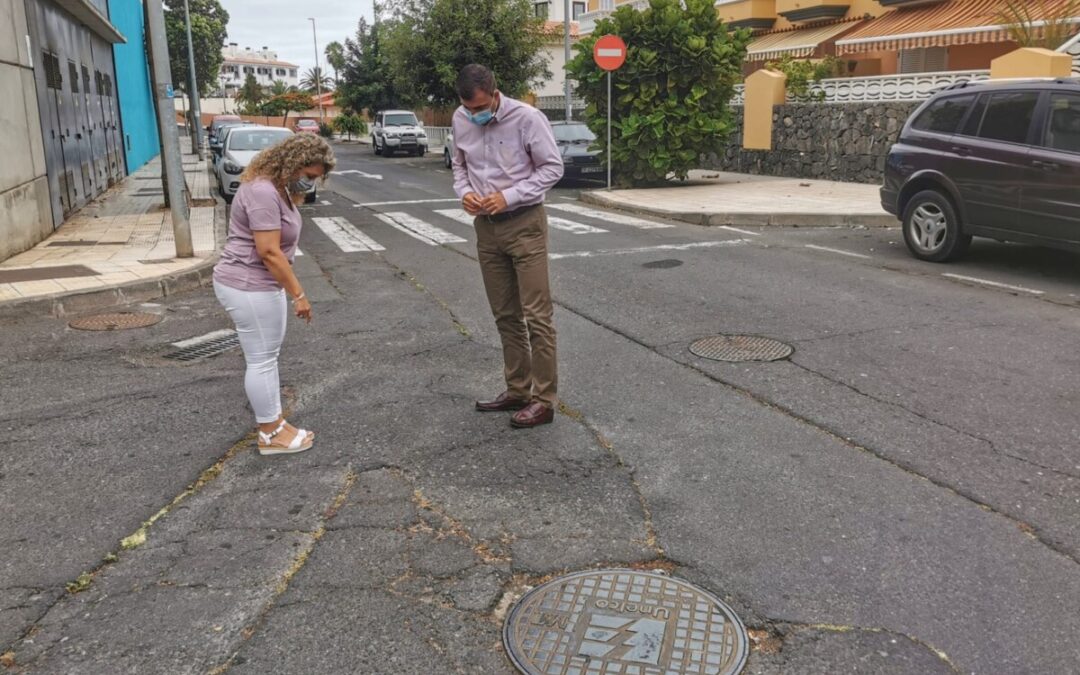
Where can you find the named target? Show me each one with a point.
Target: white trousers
(260, 324)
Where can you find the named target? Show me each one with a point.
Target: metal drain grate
(205, 346)
(115, 321)
(736, 348)
(623, 621)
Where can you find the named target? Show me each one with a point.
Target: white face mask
(301, 185)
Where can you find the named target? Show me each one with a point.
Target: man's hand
(495, 203)
(473, 204)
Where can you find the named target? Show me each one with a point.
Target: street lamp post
(193, 88)
(318, 69)
(566, 56)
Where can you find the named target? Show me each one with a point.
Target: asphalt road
(899, 496)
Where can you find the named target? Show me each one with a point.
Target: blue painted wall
(133, 88)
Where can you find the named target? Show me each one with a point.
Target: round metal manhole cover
(116, 321)
(735, 348)
(622, 621)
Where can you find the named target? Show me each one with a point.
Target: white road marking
(838, 250)
(414, 201)
(203, 338)
(572, 227)
(994, 284)
(649, 249)
(347, 237)
(299, 252)
(325, 203)
(418, 229)
(362, 174)
(735, 229)
(456, 214)
(617, 218)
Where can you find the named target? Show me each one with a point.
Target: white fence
(1072, 47)
(436, 136)
(910, 87)
(558, 103)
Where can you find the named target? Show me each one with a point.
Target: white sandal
(303, 440)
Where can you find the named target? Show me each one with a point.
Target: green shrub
(325, 130)
(671, 100)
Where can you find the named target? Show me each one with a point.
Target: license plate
(592, 169)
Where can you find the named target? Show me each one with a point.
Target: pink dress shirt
(515, 153)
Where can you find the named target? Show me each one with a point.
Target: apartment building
(263, 64)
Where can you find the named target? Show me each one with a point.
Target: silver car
(241, 146)
(398, 131)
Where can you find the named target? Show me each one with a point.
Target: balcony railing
(587, 21)
(1072, 47)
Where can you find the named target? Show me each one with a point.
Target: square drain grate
(204, 346)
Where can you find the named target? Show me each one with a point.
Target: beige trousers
(513, 258)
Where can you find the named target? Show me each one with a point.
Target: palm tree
(315, 77)
(1039, 23)
(280, 87)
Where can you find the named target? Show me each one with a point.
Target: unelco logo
(624, 639)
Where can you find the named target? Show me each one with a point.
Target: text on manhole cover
(623, 622)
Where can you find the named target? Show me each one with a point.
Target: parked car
(242, 144)
(448, 150)
(307, 127)
(220, 135)
(398, 131)
(215, 125)
(994, 159)
(574, 139)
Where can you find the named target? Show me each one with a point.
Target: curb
(59, 305)
(714, 219)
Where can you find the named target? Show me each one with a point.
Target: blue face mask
(481, 118)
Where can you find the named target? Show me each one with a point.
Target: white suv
(398, 131)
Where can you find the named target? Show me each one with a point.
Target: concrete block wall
(25, 211)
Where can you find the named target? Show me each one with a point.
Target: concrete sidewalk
(117, 249)
(717, 198)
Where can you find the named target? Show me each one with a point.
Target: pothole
(623, 621)
(662, 264)
(115, 321)
(737, 348)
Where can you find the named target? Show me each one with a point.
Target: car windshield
(400, 120)
(256, 139)
(573, 133)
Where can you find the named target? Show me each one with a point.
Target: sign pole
(609, 130)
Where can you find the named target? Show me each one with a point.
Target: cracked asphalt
(900, 496)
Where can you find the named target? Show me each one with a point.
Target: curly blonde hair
(280, 162)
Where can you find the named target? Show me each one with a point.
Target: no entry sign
(609, 52)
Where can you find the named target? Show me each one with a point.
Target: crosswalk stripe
(346, 236)
(456, 214)
(572, 227)
(418, 229)
(617, 218)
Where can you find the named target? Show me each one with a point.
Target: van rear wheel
(932, 228)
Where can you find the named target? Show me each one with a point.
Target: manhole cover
(625, 622)
(740, 348)
(116, 321)
(662, 264)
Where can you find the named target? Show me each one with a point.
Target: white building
(263, 64)
(554, 46)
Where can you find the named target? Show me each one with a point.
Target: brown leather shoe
(502, 402)
(533, 415)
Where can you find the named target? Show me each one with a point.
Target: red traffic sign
(609, 52)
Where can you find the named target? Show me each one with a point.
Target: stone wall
(832, 141)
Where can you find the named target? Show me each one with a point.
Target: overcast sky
(282, 26)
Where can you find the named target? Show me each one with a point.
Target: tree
(366, 82)
(335, 56)
(671, 98)
(1039, 23)
(350, 123)
(283, 104)
(280, 87)
(208, 32)
(251, 95)
(434, 39)
(314, 78)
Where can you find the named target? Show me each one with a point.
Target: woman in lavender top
(255, 274)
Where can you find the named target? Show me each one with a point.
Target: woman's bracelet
(299, 297)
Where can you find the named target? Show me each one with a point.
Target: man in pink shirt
(505, 160)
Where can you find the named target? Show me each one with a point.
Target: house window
(292, 72)
(542, 10)
(926, 60)
(248, 70)
(579, 9)
(281, 72)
